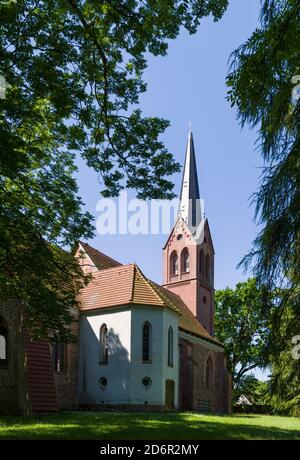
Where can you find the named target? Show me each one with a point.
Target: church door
(170, 394)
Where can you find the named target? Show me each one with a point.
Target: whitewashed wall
(118, 368)
(158, 369)
(125, 369)
(170, 319)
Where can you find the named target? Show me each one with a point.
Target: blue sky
(189, 84)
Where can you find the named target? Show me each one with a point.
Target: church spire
(190, 207)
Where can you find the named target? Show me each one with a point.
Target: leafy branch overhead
(74, 75)
(86, 60)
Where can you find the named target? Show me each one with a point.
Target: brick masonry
(195, 394)
(13, 378)
(66, 383)
(15, 388)
(194, 287)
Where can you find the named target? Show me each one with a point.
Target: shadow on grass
(176, 426)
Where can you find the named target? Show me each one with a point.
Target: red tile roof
(126, 285)
(119, 286)
(187, 321)
(100, 260)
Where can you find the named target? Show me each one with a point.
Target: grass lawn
(134, 426)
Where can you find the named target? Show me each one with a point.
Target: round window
(179, 237)
(146, 381)
(103, 382)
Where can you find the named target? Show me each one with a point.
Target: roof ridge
(104, 270)
(133, 282)
(160, 294)
(88, 246)
(207, 336)
(146, 281)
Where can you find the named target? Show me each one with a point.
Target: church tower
(188, 255)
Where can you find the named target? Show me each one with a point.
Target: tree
(258, 328)
(264, 87)
(284, 354)
(73, 72)
(261, 86)
(254, 390)
(83, 60)
(242, 327)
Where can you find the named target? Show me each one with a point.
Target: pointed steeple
(189, 207)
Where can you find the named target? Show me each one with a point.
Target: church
(140, 346)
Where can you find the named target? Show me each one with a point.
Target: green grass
(133, 426)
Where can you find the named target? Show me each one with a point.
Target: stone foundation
(120, 408)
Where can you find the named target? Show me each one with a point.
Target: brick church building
(141, 346)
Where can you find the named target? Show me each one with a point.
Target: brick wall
(14, 390)
(195, 288)
(13, 381)
(66, 382)
(195, 394)
(185, 375)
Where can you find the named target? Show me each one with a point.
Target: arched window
(207, 267)
(147, 342)
(170, 347)
(185, 261)
(209, 371)
(103, 344)
(59, 356)
(201, 262)
(174, 263)
(3, 342)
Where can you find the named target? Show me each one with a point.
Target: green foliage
(241, 325)
(260, 86)
(39, 209)
(252, 388)
(85, 59)
(284, 385)
(257, 328)
(73, 72)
